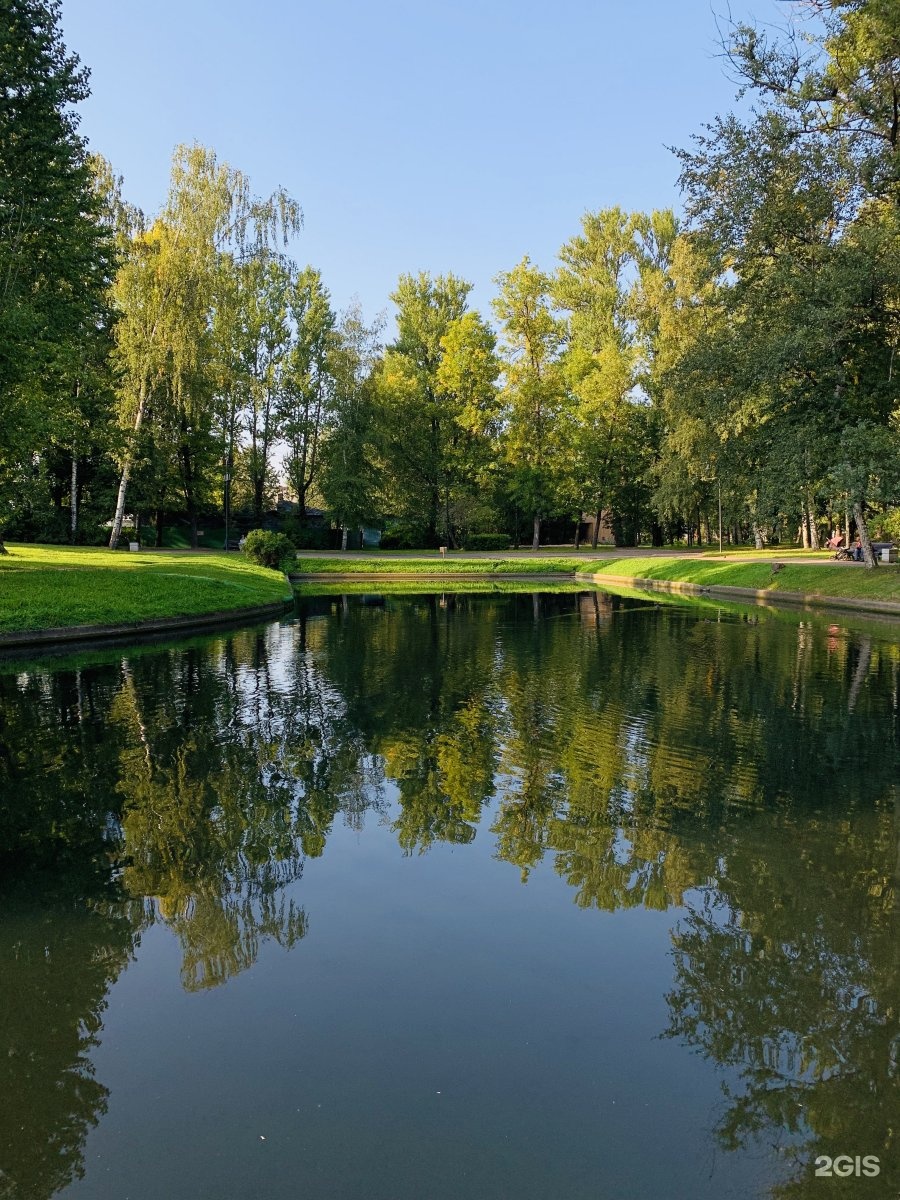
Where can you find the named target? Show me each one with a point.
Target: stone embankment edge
(85, 633)
(759, 595)
(723, 591)
(426, 576)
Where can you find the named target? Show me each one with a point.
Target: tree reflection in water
(744, 768)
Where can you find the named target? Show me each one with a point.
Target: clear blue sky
(416, 135)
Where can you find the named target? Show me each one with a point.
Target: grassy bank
(839, 580)
(428, 587)
(455, 565)
(43, 587)
(843, 580)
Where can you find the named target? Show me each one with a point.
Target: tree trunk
(804, 530)
(343, 537)
(536, 539)
(863, 530)
(596, 534)
(434, 508)
(160, 518)
(578, 533)
(73, 499)
(449, 537)
(847, 525)
(757, 536)
(813, 532)
(190, 498)
(126, 471)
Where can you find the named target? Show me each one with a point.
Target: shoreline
(434, 574)
(58, 595)
(63, 634)
(761, 596)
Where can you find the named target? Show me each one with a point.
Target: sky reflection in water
(695, 993)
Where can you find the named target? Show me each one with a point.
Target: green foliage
(55, 255)
(172, 355)
(308, 537)
(273, 550)
(890, 524)
(306, 405)
(436, 407)
(487, 541)
(536, 405)
(786, 389)
(349, 474)
(404, 537)
(744, 359)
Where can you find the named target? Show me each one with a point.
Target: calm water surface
(430, 897)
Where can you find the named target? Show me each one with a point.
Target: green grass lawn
(845, 580)
(46, 586)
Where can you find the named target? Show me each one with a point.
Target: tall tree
(264, 302)
(418, 421)
(54, 252)
(349, 477)
(799, 205)
(467, 378)
(596, 286)
(164, 292)
(308, 387)
(537, 426)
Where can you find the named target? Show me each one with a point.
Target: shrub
(890, 524)
(401, 539)
(267, 549)
(311, 537)
(486, 541)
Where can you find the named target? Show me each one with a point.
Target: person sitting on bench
(857, 549)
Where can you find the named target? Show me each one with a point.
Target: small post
(443, 550)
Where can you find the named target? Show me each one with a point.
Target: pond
(442, 896)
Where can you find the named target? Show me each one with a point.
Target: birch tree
(164, 292)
